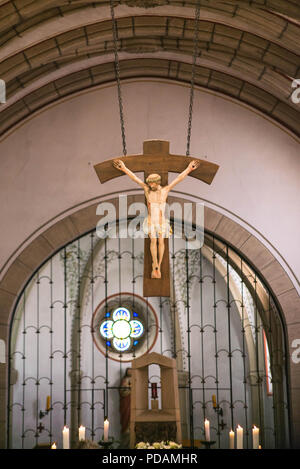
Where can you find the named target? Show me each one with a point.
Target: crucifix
(156, 162)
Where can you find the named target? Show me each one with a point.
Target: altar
(148, 422)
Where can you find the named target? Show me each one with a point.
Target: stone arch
(51, 51)
(82, 220)
(2, 351)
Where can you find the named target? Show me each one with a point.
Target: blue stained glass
(121, 313)
(106, 329)
(121, 329)
(122, 344)
(136, 328)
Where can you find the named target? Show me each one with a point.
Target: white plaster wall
(46, 165)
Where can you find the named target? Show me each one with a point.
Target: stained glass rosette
(122, 329)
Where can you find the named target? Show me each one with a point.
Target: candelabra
(207, 443)
(106, 444)
(48, 408)
(219, 411)
(43, 413)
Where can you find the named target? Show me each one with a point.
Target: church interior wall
(47, 163)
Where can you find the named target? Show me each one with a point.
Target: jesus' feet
(156, 273)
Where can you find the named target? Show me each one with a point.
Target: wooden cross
(156, 158)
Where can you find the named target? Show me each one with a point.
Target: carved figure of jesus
(156, 226)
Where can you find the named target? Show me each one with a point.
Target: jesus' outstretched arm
(119, 164)
(191, 167)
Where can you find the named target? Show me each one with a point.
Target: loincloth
(155, 230)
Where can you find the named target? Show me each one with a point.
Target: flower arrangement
(158, 445)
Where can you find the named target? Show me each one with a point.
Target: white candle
(66, 441)
(207, 430)
(239, 437)
(231, 439)
(255, 437)
(53, 446)
(81, 432)
(106, 428)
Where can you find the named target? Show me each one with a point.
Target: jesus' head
(153, 181)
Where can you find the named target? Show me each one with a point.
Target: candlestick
(255, 437)
(106, 444)
(207, 444)
(231, 439)
(81, 432)
(239, 437)
(106, 428)
(66, 440)
(48, 403)
(214, 401)
(207, 430)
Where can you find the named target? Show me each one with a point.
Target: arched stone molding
(2, 351)
(271, 20)
(249, 52)
(169, 66)
(78, 222)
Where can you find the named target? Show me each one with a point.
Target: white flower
(158, 445)
(141, 445)
(174, 445)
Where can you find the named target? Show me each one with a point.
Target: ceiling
(248, 50)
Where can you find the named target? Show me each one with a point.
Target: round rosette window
(122, 329)
(119, 326)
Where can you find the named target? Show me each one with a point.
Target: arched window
(81, 319)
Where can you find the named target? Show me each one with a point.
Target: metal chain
(195, 54)
(117, 74)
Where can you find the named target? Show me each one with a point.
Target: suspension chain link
(195, 54)
(117, 75)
